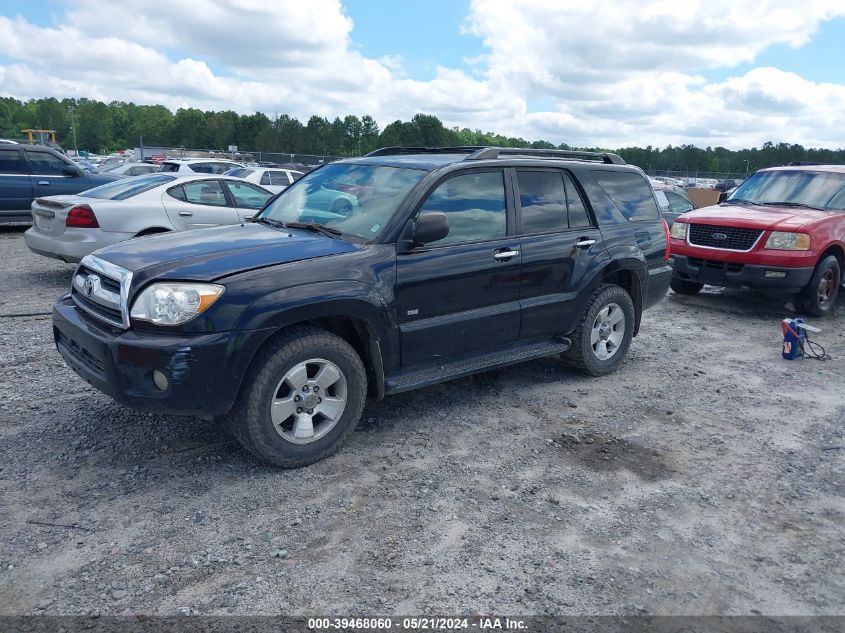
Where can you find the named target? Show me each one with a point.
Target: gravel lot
(705, 477)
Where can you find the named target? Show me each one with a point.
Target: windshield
(355, 199)
(127, 187)
(819, 190)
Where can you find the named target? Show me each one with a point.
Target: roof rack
(495, 152)
(803, 163)
(483, 152)
(392, 151)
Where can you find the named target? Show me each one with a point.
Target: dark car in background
(33, 171)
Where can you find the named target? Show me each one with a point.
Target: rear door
(246, 198)
(15, 186)
(47, 173)
(460, 295)
(198, 204)
(559, 243)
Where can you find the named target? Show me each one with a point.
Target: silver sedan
(70, 227)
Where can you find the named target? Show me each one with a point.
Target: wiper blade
(739, 201)
(790, 204)
(315, 226)
(269, 222)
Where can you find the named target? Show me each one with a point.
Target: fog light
(775, 274)
(160, 380)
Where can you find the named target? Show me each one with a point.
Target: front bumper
(204, 371)
(738, 275)
(72, 245)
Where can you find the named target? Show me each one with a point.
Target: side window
(202, 168)
(177, 192)
(295, 175)
(219, 168)
(247, 196)
(475, 206)
(662, 200)
(169, 167)
(279, 178)
(630, 193)
(265, 178)
(679, 204)
(207, 192)
(543, 201)
(10, 162)
(578, 215)
(46, 164)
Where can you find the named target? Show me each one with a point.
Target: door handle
(186, 214)
(501, 256)
(43, 182)
(584, 243)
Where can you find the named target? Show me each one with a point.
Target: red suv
(784, 228)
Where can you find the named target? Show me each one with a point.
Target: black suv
(371, 276)
(33, 171)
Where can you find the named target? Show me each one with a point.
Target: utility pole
(73, 128)
(746, 168)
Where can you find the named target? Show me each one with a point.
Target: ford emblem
(719, 236)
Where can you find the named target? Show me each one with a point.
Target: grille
(97, 294)
(104, 313)
(79, 353)
(715, 265)
(726, 237)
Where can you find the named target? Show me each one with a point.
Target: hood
(209, 254)
(754, 216)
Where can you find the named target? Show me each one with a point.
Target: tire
(584, 355)
(819, 296)
(274, 372)
(684, 287)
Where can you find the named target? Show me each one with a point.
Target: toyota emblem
(92, 282)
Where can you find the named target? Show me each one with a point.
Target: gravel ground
(704, 477)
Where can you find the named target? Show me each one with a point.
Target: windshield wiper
(316, 227)
(739, 201)
(790, 204)
(269, 222)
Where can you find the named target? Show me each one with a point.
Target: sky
(732, 73)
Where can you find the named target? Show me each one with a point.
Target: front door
(559, 244)
(460, 295)
(247, 198)
(198, 204)
(50, 175)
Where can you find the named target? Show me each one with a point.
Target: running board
(431, 375)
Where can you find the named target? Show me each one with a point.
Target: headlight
(174, 303)
(678, 230)
(788, 241)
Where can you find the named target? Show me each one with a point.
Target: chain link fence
(242, 156)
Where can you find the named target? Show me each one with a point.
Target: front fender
(306, 302)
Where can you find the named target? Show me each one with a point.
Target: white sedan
(273, 179)
(131, 169)
(70, 227)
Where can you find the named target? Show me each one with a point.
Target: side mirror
(430, 226)
(723, 196)
(70, 170)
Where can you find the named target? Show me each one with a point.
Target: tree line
(105, 127)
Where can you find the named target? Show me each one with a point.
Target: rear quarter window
(630, 192)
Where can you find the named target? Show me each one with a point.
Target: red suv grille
(728, 237)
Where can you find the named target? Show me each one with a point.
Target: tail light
(666, 231)
(82, 217)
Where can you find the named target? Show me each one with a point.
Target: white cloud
(618, 73)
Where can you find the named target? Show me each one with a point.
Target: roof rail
(486, 153)
(392, 151)
(483, 152)
(803, 163)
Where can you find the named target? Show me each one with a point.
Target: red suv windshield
(817, 190)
